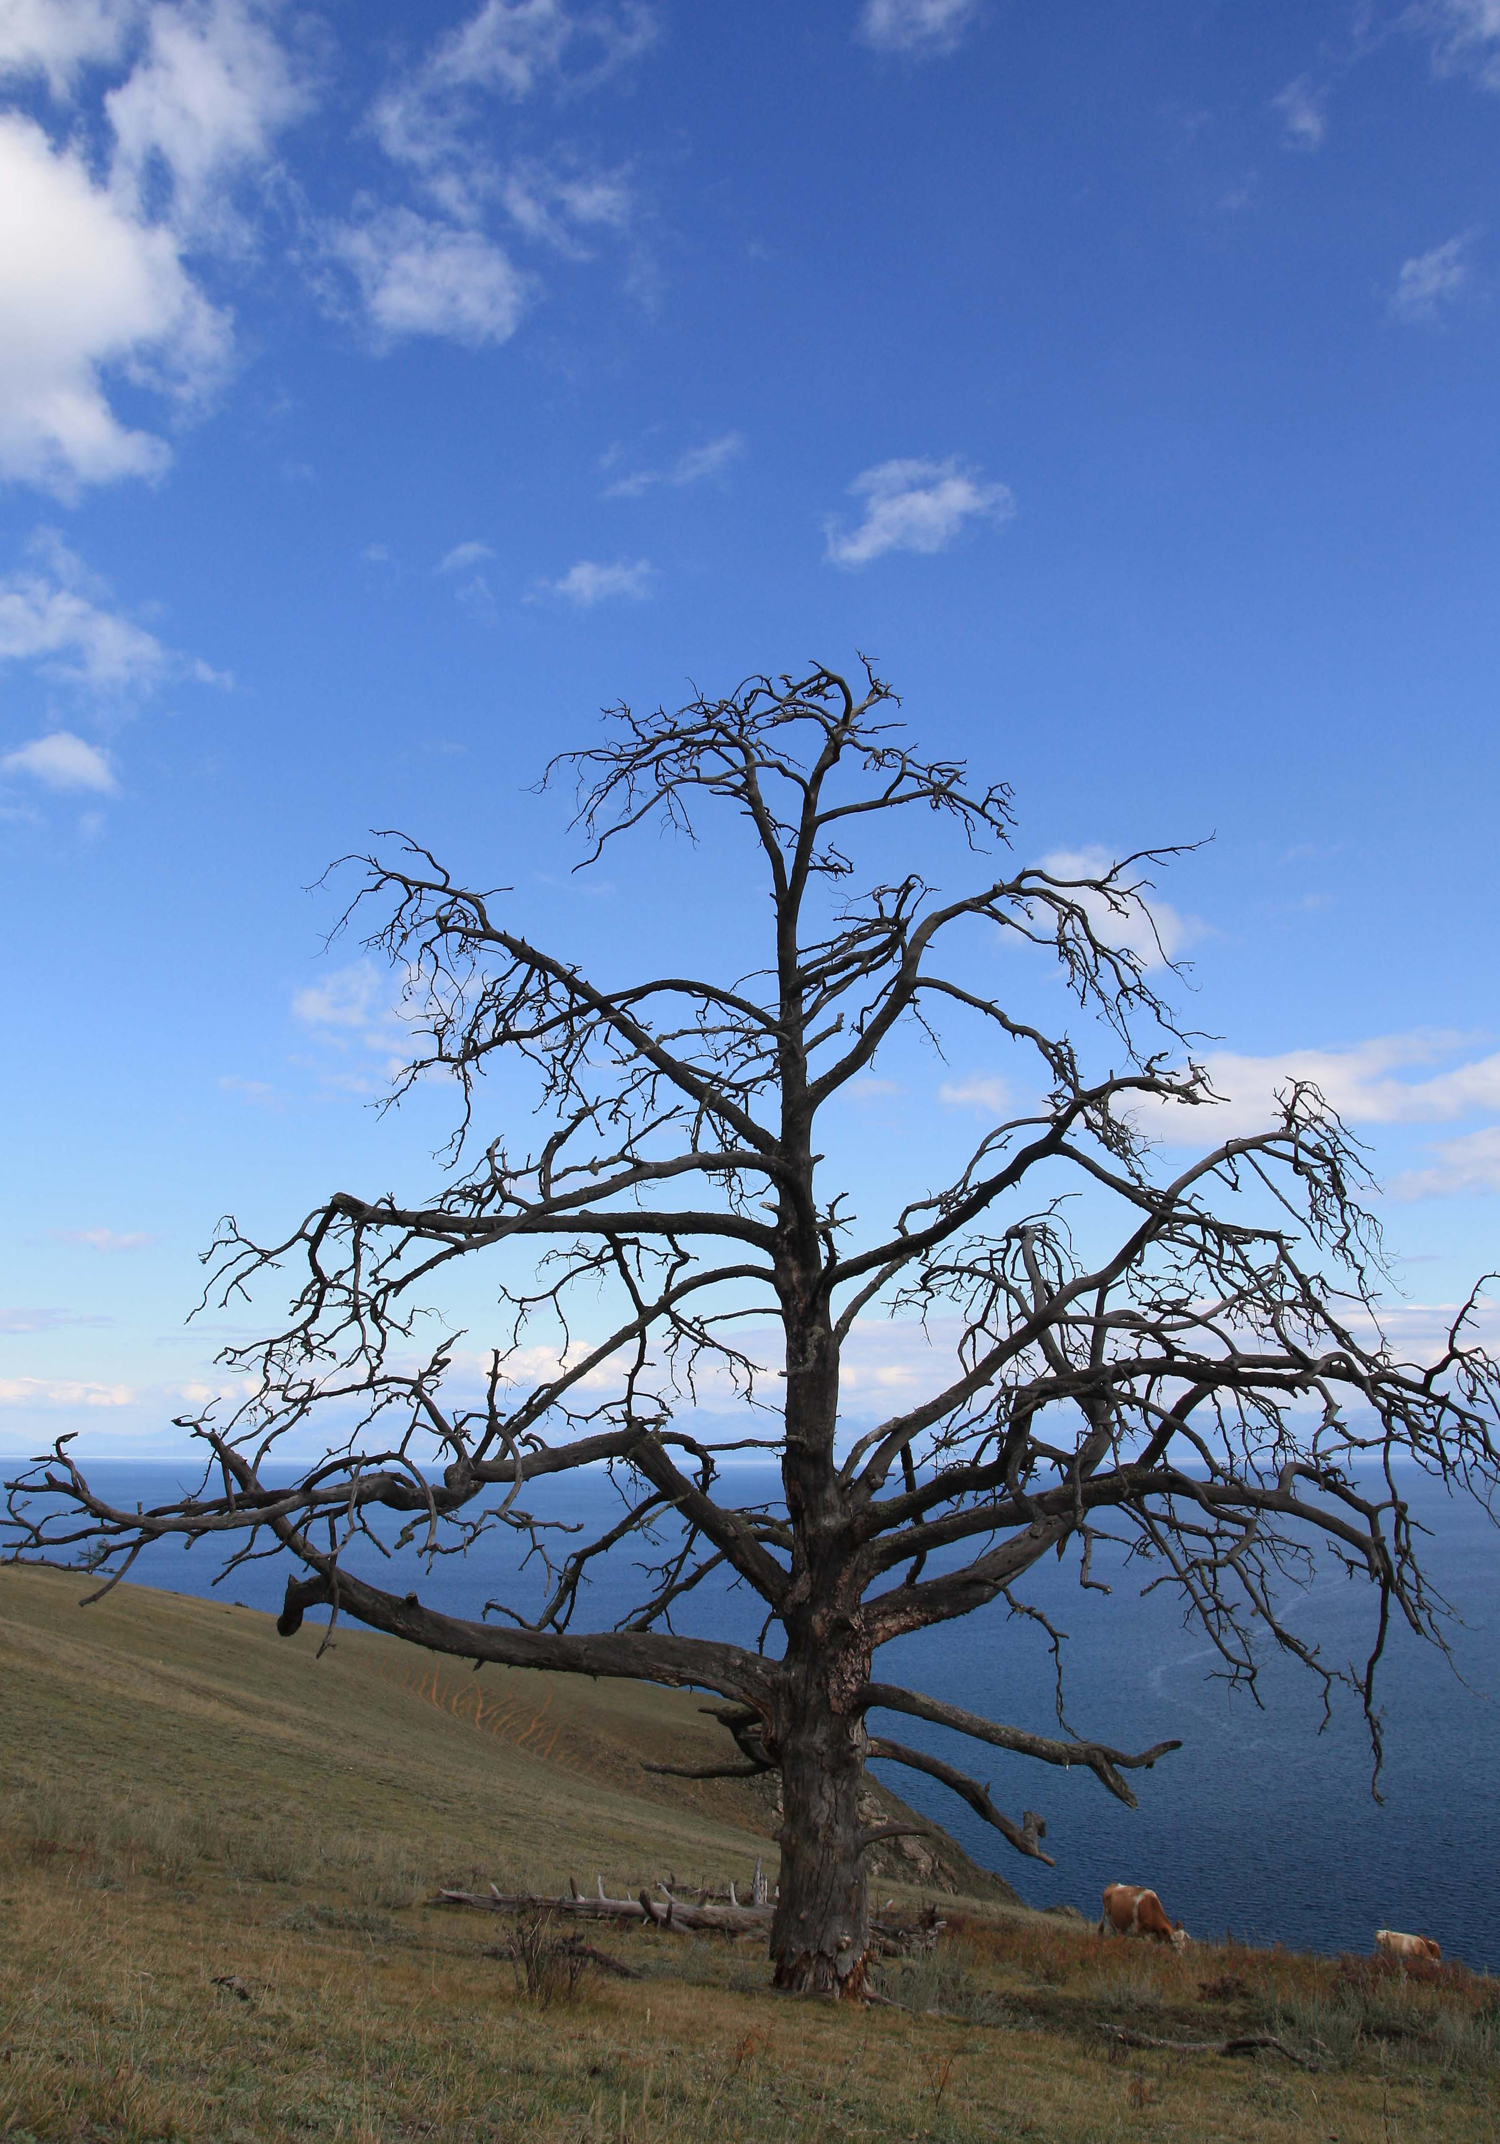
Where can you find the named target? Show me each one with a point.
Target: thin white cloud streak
(924, 28)
(988, 1095)
(589, 582)
(18, 1320)
(108, 1240)
(696, 466)
(1360, 1081)
(1432, 281)
(914, 505)
(62, 761)
(1299, 107)
(463, 555)
(1149, 927)
(1458, 1165)
(54, 1392)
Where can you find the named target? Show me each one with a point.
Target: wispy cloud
(914, 505)
(510, 49)
(589, 583)
(473, 591)
(1368, 1083)
(108, 1240)
(924, 28)
(62, 761)
(695, 466)
(1149, 927)
(58, 615)
(53, 1392)
(444, 272)
(558, 206)
(1465, 37)
(418, 276)
(1471, 1163)
(1431, 281)
(1299, 107)
(464, 555)
(16, 1320)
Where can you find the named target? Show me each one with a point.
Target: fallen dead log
(892, 1938)
(1242, 2043)
(666, 1912)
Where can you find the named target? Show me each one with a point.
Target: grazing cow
(1391, 1943)
(1131, 1910)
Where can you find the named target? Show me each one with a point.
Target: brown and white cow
(1391, 1943)
(1131, 1910)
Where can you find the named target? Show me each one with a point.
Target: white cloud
(57, 38)
(694, 466)
(94, 226)
(510, 48)
(86, 289)
(203, 106)
(62, 761)
(920, 26)
(1465, 35)
(914, 505)
(462, 555)
(553, 206)
(352, 998)
(54, 613)
(1300, 109)
(1150, 928)
(1360, 1081)
(988, 1095)
(1468, 1164)
(253, 1090)
(376, 554)
(1431, 281)
(102, 1239)
(447, 275)
(588, 583)
(474, 593)
(434, 121)
(61, 1392)
(351, 1009)
(420, 277)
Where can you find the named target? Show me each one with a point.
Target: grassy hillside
(187, 1800)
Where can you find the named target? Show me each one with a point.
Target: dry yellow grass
(189, 1800)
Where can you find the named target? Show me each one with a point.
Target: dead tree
(1196, 1366)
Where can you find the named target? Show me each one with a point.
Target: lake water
(1259, 1824)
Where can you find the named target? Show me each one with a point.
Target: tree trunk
(820, 1938)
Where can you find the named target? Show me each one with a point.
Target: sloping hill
(216, 1853)
(199, 1705)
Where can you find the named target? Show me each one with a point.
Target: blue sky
(385, 389)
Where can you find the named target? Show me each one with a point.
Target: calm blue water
(1259, 1825)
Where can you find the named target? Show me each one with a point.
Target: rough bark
(820, 1936)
